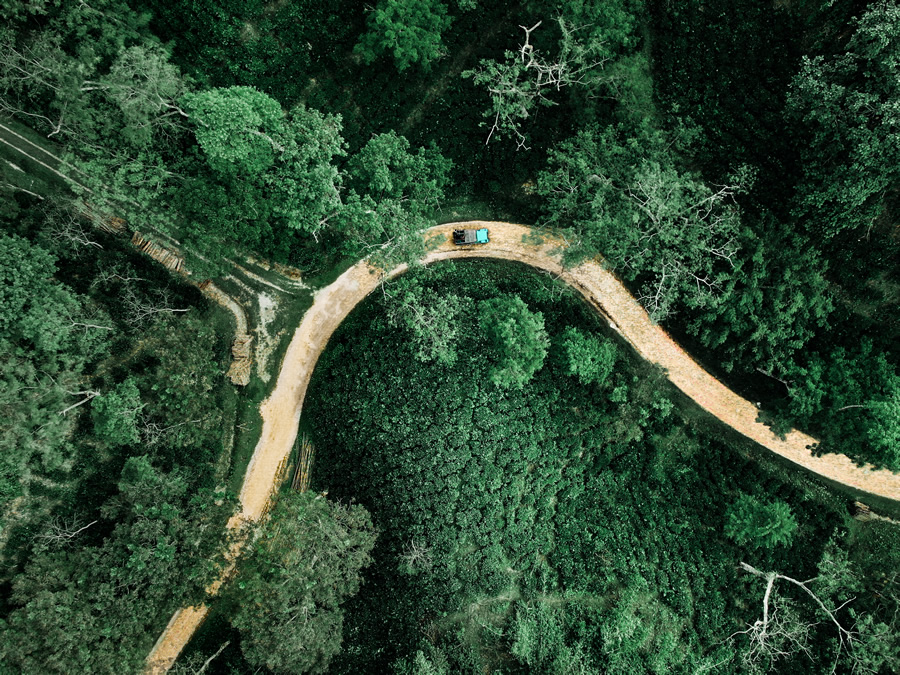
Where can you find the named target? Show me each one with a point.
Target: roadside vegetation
(735, 163)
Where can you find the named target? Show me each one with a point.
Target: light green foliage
(848, 394)
(272, 173)
(623, 197)
(848, 103)
(289, 589)
(587, 357)
(538, 635)
(517, 337)
(393, 193)
(431, 318)
(408, 30)
(145, 86)
(432, 663)
(386, 169)
(42, 355)
(34, 308)
(643, 634)
(884, 425)
(237, 128)
(758, 524)
(306, 184)
(116, 413)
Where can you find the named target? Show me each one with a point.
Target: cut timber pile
(304, 464)
(109, 224)
(239, 372)
(291, 273)
(160, 254)
(240, 350)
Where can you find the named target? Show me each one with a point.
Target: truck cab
(463, 237)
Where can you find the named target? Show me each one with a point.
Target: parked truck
(464, 237)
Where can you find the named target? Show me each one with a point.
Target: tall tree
(848, 105)
(43, 350)
(306, 562)
(84, 606)
(518, 339)
(758, 524)
(623, 197)
(408, 30)
(587, 357)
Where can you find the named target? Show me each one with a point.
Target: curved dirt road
(281, 411)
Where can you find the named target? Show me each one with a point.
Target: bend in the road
(281, 411)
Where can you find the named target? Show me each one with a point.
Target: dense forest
(500, 485)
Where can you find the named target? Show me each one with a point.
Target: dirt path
(281, 411)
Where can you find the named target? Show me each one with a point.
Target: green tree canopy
(82, 606)
(409, 30)
(587, 357)
(115, 413)
(622, 197)
(517, 337)
(44, 345)
(773, 303)
(848, 104)
(431, 318)
(758, 524)
(306, 562)
(237, 127)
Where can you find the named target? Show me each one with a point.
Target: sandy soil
(281, 411)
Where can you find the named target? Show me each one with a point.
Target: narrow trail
(281, 410)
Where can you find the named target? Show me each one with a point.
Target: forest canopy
(734, 163)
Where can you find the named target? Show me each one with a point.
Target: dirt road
(281, 411)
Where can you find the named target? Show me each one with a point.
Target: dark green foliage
(102, 545)
(759, 524)
(85, 606)
(517, 337)
(622, 196)
(770, 307)
(42, 356)
(408, 30)
(289, 589)
(559, 525)
(115, 414)
(848, 394)
(846, 104)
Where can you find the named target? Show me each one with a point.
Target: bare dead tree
(65, 227)
(114, 273)
(417, 556)
(521, 82)
(60, 532)
(141, 310)
(192, 665)
(153, 434)
(780, 632)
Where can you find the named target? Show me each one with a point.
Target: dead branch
(141, 310)
(773, 639)
(88, 395)
(62, 532)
